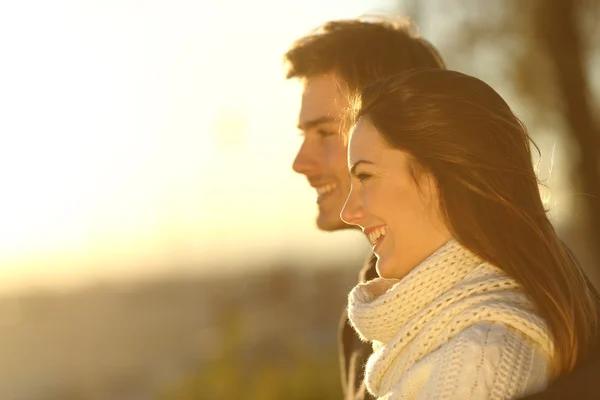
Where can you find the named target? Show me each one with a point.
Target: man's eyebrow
(316, 122)
(356, 164)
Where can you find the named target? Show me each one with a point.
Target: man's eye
(326, 133)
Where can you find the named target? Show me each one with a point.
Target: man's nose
(305, 161)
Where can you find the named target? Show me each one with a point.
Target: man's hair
(361, 51)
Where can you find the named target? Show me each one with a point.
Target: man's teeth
(325, 189)
(376, 234)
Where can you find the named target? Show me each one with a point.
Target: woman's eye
(362, 177)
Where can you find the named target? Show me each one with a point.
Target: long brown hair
(462, 132)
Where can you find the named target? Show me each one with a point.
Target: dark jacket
(354, 352)
(583, 383)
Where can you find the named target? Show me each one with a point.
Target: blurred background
(154, 241)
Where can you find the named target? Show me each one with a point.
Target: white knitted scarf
(450, 291)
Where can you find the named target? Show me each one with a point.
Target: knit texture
(454, 327)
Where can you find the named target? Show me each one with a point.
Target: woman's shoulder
(485, 360)
(494, 342)
(502, 359)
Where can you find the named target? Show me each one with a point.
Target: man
(331, 61)
(350, 53)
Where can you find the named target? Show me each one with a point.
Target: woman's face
(400, 217)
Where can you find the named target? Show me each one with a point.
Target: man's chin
(331, 223)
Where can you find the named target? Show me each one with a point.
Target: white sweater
(455, 327)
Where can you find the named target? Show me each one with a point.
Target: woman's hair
(459, 130)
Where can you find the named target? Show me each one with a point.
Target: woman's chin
(389, 270)
(383, 270)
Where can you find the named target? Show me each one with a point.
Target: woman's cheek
(365, 197)
(370, 197)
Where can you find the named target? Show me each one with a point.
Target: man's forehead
(323, 84)
(321, 97)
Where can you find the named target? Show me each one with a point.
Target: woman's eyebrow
(359, 162)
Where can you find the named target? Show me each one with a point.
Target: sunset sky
(141, 135)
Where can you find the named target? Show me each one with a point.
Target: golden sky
(136, 135)
(142, 135)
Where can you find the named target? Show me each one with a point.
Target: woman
(477, 297)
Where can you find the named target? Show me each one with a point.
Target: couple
(470, 294)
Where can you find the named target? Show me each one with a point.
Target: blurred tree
(541, 54)
(559, 32)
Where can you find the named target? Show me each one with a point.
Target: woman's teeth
(377, 234)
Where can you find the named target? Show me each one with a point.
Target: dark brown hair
(462, 132)
(360, 51)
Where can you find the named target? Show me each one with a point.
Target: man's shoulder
(581, 384)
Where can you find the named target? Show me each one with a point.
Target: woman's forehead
(364, 139)
(368, 144)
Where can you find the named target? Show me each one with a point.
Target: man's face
(322, 156)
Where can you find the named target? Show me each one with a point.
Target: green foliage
(313, 376)
(301, 372)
